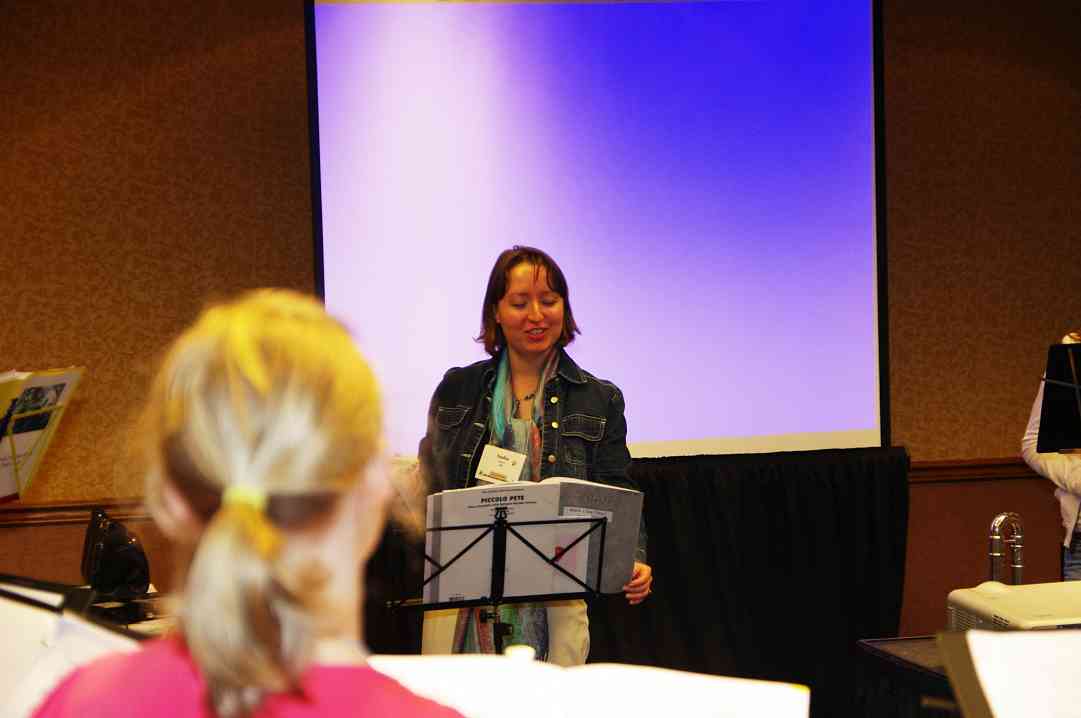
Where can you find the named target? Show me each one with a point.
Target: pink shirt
(162, 680)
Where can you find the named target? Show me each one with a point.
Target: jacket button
(555, 424)
(555, 399)
(551, 458)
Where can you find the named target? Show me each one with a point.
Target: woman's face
(530, 313)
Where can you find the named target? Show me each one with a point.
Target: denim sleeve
(434, 475)
(613, 459)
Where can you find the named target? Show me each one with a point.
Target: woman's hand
(640, 584)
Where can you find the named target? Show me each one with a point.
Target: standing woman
(262, 435)
(1064, 470)
(529, 397)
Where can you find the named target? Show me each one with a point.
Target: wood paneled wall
(951, 505)
(45, 540)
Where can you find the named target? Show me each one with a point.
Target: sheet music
(485, 686)
(69, 642)
(527, 574)
(1028, 673)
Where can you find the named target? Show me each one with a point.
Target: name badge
(499, 465)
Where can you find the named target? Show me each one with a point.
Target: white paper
(1028, 673)
(581, 512)
(50, 598)
(526, 573)
(41, 647)
(485, 686)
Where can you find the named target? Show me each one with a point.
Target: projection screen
(703, 172)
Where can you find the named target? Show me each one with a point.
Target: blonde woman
(262, 437)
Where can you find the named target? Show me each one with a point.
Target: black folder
(1060, 414)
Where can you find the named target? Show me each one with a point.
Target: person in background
(531, 398)
(1064, 469)
(263, 439)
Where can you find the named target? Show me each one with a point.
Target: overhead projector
(997, 606)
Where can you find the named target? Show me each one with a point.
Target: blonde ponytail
(261, 417)
(228, 617)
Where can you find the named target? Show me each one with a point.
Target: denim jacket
(583, 431)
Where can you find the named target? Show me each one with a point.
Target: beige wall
(156, 155)
(983, 145)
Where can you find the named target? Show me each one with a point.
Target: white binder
(597, 549)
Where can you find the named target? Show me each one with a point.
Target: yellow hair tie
(245, 495)
(265, 539)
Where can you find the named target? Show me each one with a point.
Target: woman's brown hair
(491, 334)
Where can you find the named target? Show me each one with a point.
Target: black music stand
(500, 529)
(1060, 414)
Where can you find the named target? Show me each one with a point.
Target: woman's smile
(530, 313)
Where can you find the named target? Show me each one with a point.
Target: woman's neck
(525, 371)
(340, 637)
(345, 645)
(345, 650)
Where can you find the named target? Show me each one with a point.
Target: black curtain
(765, 566)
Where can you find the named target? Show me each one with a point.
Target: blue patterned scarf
(528, 621)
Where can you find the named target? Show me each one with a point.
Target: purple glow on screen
(703, 173)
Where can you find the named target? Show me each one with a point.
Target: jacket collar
(566, 369)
